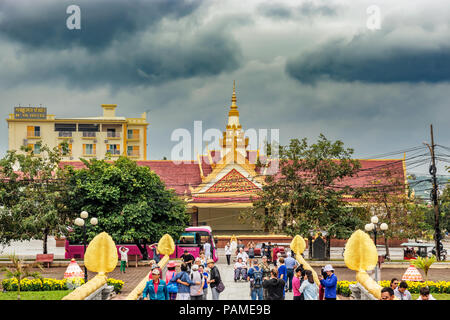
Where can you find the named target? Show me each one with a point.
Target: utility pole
(437, 230)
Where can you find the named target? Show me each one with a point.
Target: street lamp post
(81, 223)
(373, 226)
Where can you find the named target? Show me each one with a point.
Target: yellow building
(92, 137)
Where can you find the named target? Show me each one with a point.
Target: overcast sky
(304, 67)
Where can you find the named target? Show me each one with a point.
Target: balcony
(134, 153)
(64, 134)
(113, 152)
(89, 134)
(113, 135)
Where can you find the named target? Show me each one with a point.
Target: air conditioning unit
(106, 141)
(95, 140)
(25, 142)
(71, 158)
(71, 140)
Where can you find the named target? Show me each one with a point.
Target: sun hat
(195, 267)
(171, 264)
(328, 267)
(156, 271)
(209, 261)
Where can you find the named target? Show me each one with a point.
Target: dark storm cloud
(369, 58)
(150, 46)
(42, 24)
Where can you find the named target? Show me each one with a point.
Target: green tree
(32, 195)
(391, 200)
(307, 194)
(130, 202)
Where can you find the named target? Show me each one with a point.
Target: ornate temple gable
(233, 181)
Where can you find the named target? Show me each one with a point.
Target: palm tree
(424, 264)
(20, 271)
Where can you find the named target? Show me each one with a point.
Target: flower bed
(342, 287)
(48, 284)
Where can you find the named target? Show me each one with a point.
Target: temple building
(218, 185)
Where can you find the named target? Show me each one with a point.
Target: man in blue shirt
(290, 263)
(255, 276)
(329, 283)
(282, 273)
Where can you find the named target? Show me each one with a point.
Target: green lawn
(35, 295)
(437, 296)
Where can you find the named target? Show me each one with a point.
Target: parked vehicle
(191, 239)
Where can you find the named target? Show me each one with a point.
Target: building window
(88, 149)
(69, 152)
(111, 133)
(65, 129)
(133, 134)
(133, 151)
(33, 131)
(36, 148)
(113, 149)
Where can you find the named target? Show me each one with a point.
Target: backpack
(171, 286)
(258, 278)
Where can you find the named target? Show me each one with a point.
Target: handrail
(101, 257)
(137, 291)
(166, 246)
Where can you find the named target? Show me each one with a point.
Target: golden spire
(233, 111)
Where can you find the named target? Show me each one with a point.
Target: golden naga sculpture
(298, 245)
(361, 255)
(166, 246)
(101, 257)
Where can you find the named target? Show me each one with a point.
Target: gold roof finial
(233, 97)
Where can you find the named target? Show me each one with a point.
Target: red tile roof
(179, 176)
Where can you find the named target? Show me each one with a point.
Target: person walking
(402, 292)
(188, 259)
(387, 294)
(196, 290)
(274, 286)
(207, 249)
(265, 268)
(228, 252)
(123, 258)
(282, 274)
(394, 283)
(242, 254)
(251, 250)
(309, 289)
(269, 251)
(172, 288)
(184, 281)
(424, 294)
(290, 263)
(296, 283)
(205, 274)
(214, 279)
(239, 246)
(329, 283)
(255, 276)
(155, 289)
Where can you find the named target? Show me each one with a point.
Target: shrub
(342, 287)
(48, 284)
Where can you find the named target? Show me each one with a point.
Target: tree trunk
(386, 245)
(142, 249)
(310, 253)
(45, 241)
(327, 253)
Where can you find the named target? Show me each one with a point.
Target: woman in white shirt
(228, 252)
